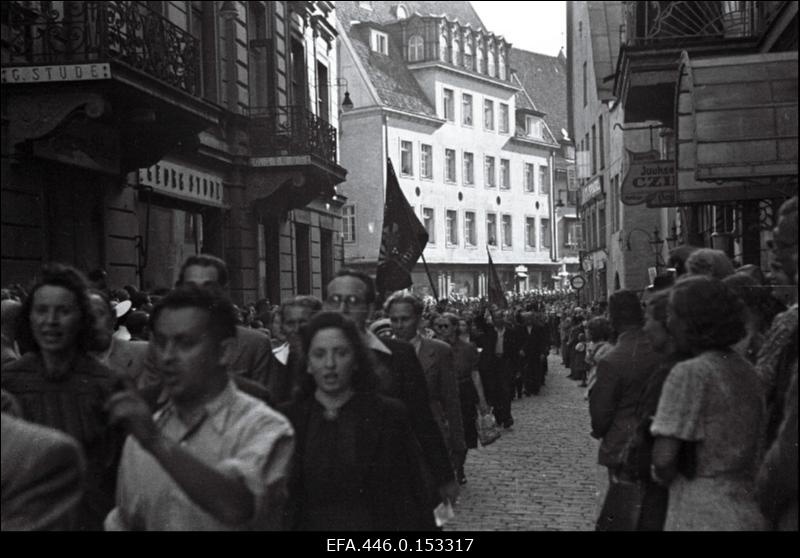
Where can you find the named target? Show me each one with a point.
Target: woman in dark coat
(357, 463)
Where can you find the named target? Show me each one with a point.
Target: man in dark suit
(252, 357)
(499, 347)
(621, 377)
(535, 344)
(400, 375)
(436, 359)
(43, 470)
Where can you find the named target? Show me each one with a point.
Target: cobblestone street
(541, 475)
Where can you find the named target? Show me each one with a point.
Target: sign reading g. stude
(650, 182)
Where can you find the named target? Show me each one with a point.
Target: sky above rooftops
(533, 26)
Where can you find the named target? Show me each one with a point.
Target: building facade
(437, 94)
(719, 82)
(138, 133)
(623, 245)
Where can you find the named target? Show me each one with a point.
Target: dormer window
(444, 46)
(416, 48)
(479, 67)
(379, 42)
(534, 127)
(402, 13)
(468, 61)
(501, 67)
(490, 66)
(456, 51)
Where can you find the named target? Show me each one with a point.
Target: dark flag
(403, 240)
(496, 295)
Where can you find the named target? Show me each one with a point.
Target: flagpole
(430, 279)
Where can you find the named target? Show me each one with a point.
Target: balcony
(654, 34)
(663, 23)
(291, 131)
(122, 32)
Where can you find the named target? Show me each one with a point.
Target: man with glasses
(400, 375)
(436, 358)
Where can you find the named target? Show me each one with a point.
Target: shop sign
(593, 189)
(650, 182)
(45, 74)
(182, 182)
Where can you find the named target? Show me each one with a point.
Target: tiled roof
(545, 79)
(385, 12)
(391, 77)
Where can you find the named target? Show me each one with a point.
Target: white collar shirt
(236, 434)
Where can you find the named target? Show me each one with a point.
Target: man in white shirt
(213, 458)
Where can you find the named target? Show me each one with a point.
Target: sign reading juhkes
(649, 181)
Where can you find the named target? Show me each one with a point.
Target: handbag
(486, 425)
(622, 506)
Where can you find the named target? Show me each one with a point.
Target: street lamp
(347, 103)
(654, 240)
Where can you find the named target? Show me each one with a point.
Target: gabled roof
(393, 81)
(545, 80)
(385, 12)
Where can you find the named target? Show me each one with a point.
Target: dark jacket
(387, 470)
(621, 377)
(400, 376)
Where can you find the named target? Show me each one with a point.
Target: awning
(736, 123)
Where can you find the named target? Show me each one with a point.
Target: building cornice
(391, 111)
(439, 65)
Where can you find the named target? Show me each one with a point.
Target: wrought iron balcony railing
(123, 32)
(657, 23)
(291, 130)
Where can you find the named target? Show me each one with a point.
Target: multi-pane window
(429, 222)
(452, 227)
(503, 118)
(448, 107)
(456, 50)
(505, 174)
(488, 114)
(602, 142)
(466, 109)
(544, 235)
(380, 42)
(491, 229)
(489, 176)
(479, 60)
(544, 180)
(470, 237)
(490, 60)
(530, 185)
(349, 223)
(572, 234)
(450, 165)
(468, 60)
(507, 243)
(416, 48)
(501, 66)
(530, 232)
(406, 158)
(534, 127)
(426, 161)
(469, 168)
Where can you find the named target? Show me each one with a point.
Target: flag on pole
(496, 295)
(403, 239)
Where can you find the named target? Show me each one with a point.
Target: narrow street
(541, 475)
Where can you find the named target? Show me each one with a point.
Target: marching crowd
(177, 410)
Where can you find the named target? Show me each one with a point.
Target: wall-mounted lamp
(228, 11)
(347, 103)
